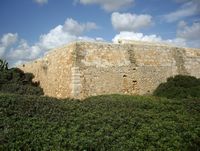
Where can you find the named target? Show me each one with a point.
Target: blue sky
(30, 28)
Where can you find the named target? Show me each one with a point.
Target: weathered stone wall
(83, 69)
(54, 71)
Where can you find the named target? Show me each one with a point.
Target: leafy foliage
(179, 87)
(113, 122)
(15, 80)
(3, 65)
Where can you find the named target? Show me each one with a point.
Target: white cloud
(180, 42)
(188, 32)
(55, 37)
(99, 39)
(108, 5)
(148, 38)
(187, 9)
(182, 24)
(23, 53)
(6, 41)
(191, 34)
(128, 25)
(2, 51)
(73, 27)
(41, 2)
(130, 22)
(17, 50)
(124, 35)
(63, 34)
(9, 39)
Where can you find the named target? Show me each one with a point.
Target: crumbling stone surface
(83, 69)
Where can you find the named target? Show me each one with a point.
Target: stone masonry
(83, 69)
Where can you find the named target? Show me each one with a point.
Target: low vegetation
(179, 87)
(112, 122)
(15, 80)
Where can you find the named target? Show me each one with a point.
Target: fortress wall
(84, 69)
(54, 71)
(131, 68)
(106, 81)
(192, 62)
(105, 69)
(154, 65)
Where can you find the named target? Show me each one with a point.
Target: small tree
(14, 80)
(3, 65)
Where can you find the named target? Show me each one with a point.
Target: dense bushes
(15, 80)
(179, 87)
(113, 122)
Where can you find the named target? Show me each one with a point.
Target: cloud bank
(130, 22)
(187, 36)
(71, 30)
(189, 8)
(17, 50)
(148, 38)
(136, 36)
(189, 33)
(128, 26)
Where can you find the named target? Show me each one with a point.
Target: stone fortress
(83, 69)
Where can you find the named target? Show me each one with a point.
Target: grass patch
(112, 122)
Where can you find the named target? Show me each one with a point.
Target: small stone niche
(134, 82)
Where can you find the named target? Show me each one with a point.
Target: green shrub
(15, 80)
(113, 122)
(21, 89)
(3, 65)
(179, 86)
